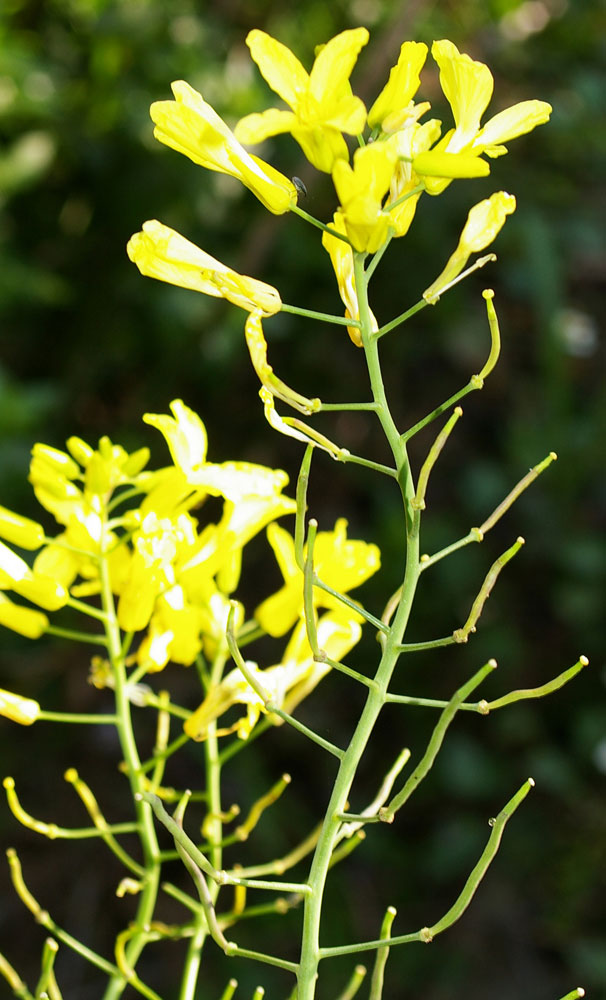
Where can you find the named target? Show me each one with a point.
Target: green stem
(400, 319)
(147, 833)
(323, 317)
(391, 641)
(319, 225)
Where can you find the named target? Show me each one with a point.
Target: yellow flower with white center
(25, 711)
(286, 684)
(160, 252)
(341, 257)
(484, 222)
(189, 125)
(342, 563)
(392, 107)
(322, 104)
(361, 190)
(468, 86)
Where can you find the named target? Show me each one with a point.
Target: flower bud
(19, 530)
(25, 711)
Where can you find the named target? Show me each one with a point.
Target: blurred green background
(88, 345)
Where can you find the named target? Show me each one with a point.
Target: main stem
(310, 946)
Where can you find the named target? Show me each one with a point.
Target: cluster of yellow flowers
(171, 575)
(378, 188)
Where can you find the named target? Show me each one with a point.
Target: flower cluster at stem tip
(399, 158)
(131, 537)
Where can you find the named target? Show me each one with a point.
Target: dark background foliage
(87, 346)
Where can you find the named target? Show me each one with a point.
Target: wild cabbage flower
(189, 125)
(286, 684)
(322, 104)
(160, 252)
(484, 222)
(341, 562)
(468, 86)
(185, 435)
(361, 190)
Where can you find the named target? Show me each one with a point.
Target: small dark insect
(300, 186)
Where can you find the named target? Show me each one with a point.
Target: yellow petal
(12, 567)
(514, 121)
(484, 222)
(25, 621)
(192, 127)
(47, 593)
(402, 85)
(22, 710)
(259, 126)
(237, 480)
(257, 348)
(160, 252)
(467, 85)
(184, 433)
(438, 164)
(361, 190)
(278, 65)
(329, 77)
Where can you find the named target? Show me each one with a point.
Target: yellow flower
(361, 190)
(468, 86)
(341, 256)
(189, 125)
(151, 568)
(160, 252)
(175, 614)
(484, 222)
(323, 106)
(22, 710)
(393, 105)
(340, 562)
(186, 437)
(286, 684)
